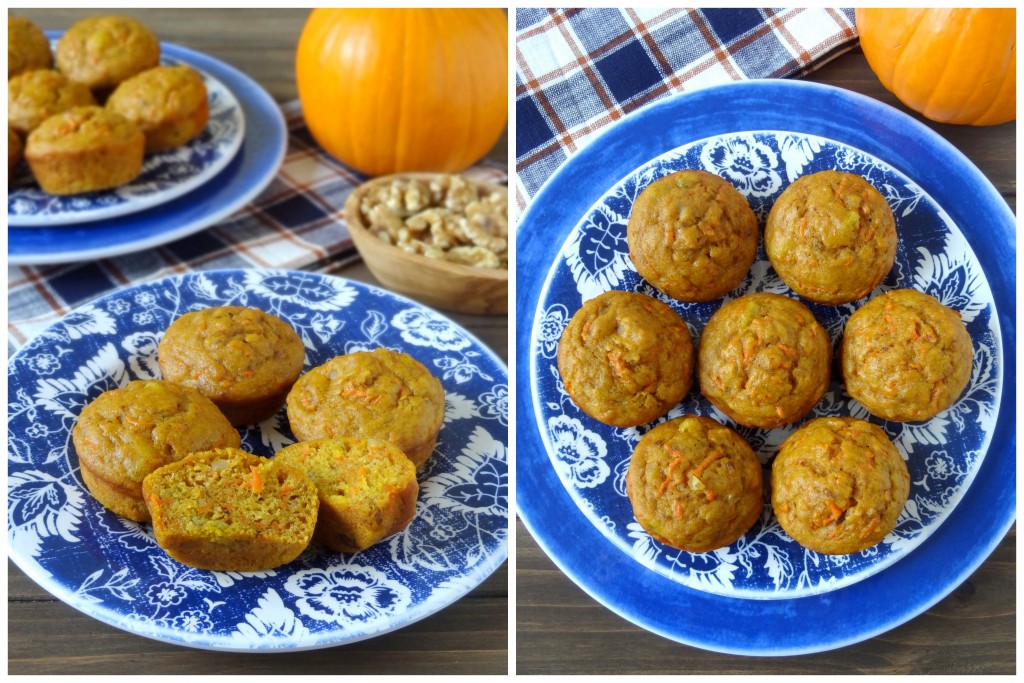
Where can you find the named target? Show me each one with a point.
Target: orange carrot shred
(713, 456)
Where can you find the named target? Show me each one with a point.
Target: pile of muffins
(838, 484)
(168, 451)
(87, 124)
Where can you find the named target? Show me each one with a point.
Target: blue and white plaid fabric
(295, 223)
(578, 70)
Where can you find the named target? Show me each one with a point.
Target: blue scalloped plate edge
(40, 576)
(800, 625)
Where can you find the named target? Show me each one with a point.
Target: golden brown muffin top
(34, 96)
(159, 94)
(838, 485)
(79, 129)
(27, 47)
(103, 51)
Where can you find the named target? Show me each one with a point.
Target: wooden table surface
(560, 629)
(46, 636)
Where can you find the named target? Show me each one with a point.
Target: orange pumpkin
(394, 90)
(951, 65)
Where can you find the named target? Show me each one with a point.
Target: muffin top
(380, 394)
(692, 235)
(764, 360)
(34, 96)
(695, 484)
(103, 51)
(626, 358)
(159, 94)
(231, 353)
(126, 433)
(831, 237)
(905, 356)
(81, 129)
(838, 485)
(27, 47)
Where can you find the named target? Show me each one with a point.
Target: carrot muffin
(831, 237)
(764, 360)
(838, 485)
(626, 358)
(15, 150)
(367, 489)
(103, 51)
(127, 433)
(168, 103)
(242, 359)
(27, 47)
(228, 510)
(692, 235)
(379, 394)
(695, 484)
(84, 149)
(905, 356)
(34, 96)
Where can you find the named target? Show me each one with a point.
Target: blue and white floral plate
(245, 175)
(112, 569)
(164, 176)
(761, 136)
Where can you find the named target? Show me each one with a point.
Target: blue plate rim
(254, 172)
(576, 547)
(116, 620)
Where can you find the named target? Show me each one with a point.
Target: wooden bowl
(442, 284)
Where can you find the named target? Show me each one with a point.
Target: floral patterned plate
(580, 464)
(164, 176)
(112, 569)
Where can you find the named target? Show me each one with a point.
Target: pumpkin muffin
(169, 104)
(764, 360)
(379, 394)
(831, 237)
(692, 235)
(838, 485)
(28, 47)
(100, 52)
(906, 357)
(15, 150)
(34, 96)
(127, 433)
(626, 358)
(228, 510)
(367, 489)
(695, 484)
(242, 359)
(84, 149)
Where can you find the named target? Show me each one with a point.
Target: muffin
(228, 510)
(367, 489)
(694, 484)
(84, 149)
(838, 485)
(905, 356)
(168, 103)
(34, 96)
(15, 150)
(379, 394)
(242, 359)
(100, 52)
(764, 360)
(692, 235)
(27, 47)
(831, 237)
(127, 433)
(626, 358)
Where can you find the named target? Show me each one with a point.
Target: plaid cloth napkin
(295, 223)
(578, 70)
